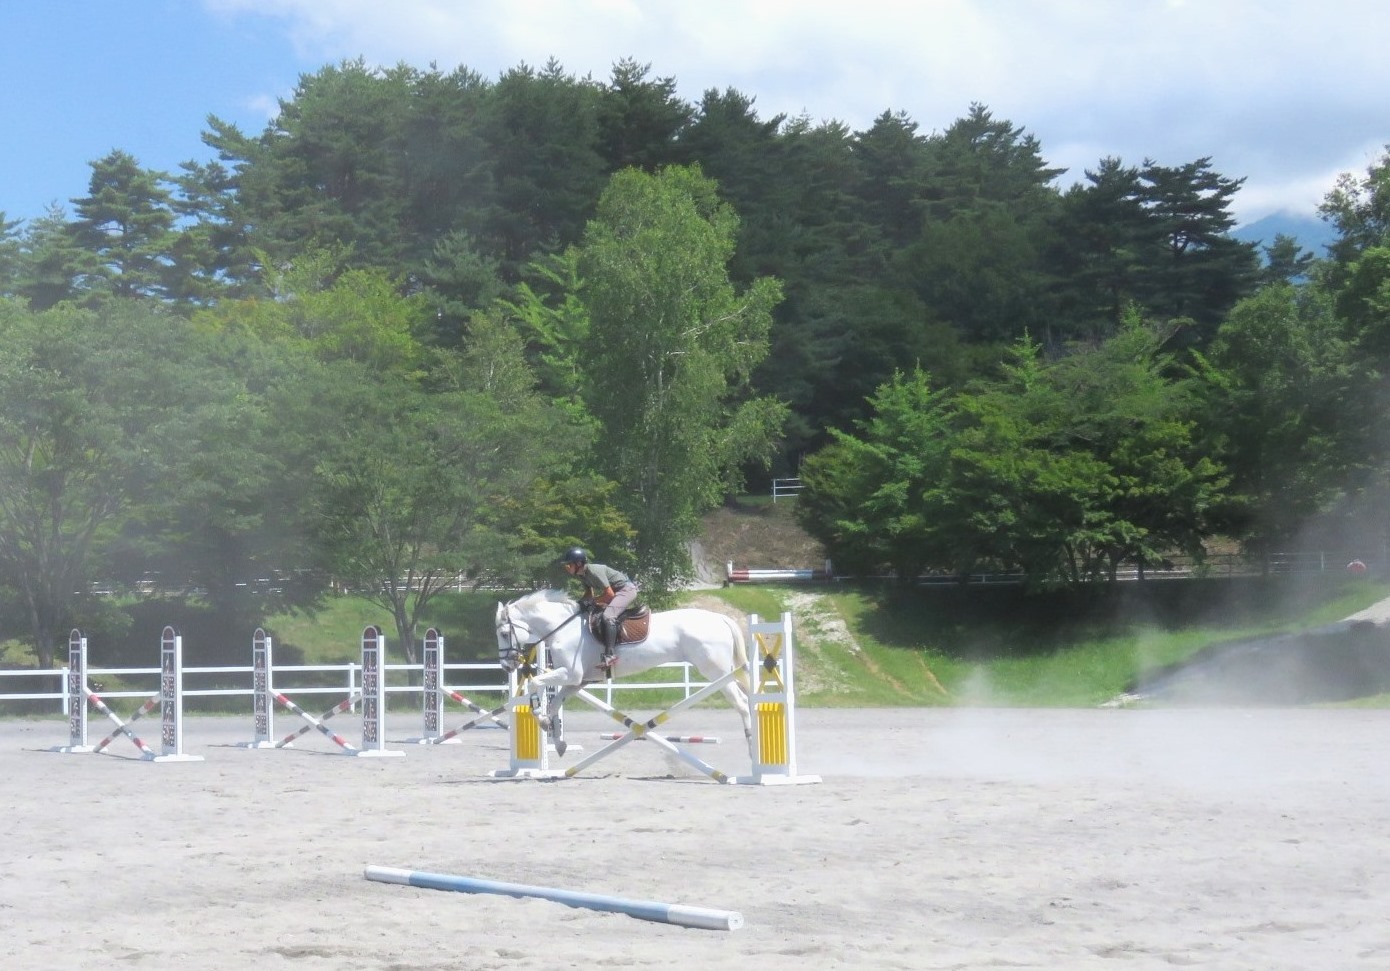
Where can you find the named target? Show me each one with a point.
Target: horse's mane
(547, 596)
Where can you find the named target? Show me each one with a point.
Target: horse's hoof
(560, 747)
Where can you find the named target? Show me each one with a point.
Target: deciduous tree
(1283, 413)
(429, 482)
(99, 411)
(670, 349)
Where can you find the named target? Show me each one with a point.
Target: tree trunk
(405, 631)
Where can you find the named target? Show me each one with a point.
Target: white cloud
(1281, 92)
(264, 104)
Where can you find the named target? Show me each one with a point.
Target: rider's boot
(610, 644)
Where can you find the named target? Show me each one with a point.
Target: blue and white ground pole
(704, 918)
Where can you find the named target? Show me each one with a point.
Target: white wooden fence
(786, 488)
(309, 679)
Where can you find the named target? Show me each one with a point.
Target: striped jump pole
(492, 714)
(773, 700)
(144, 710)
(324, 730)
(775, 574)
(704, 918)
(676, 739)
(477, 722)
(492, 720)
(643, 730)
(147, 753)
(264, 697)
(289, 739)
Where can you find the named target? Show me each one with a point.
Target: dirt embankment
(763, 536)
(767, 536)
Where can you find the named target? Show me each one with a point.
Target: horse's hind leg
(557, 731)
(738, 697)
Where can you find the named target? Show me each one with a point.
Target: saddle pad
(635, 628)
(631, 627)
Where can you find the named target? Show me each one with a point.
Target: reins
(516, 641)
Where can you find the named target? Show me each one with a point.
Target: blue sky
(1285, 93)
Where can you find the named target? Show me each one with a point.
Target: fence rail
(786, 488)
(309, 679)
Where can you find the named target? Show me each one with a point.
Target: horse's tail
(740, 655)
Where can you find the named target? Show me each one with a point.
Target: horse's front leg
(549, 714)
(556, 711)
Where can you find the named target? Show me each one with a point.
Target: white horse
(704, 638)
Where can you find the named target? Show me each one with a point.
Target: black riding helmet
(575, 555)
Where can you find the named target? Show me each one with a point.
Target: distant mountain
(1311, 232)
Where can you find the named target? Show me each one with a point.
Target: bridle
(515, 655)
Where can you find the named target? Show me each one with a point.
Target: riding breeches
(622, 599)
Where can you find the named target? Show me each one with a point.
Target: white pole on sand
(699, 917)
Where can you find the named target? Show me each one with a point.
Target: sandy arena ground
(966, 838)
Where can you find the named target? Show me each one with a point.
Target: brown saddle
(633, 624)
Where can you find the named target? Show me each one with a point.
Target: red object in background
(1356, 566)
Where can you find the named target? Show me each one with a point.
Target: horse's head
(511, 639)
(527, 620)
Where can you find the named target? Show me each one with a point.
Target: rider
(607, 588)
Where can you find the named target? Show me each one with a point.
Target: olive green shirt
(597, 578)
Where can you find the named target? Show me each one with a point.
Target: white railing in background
(786, 488)
(289, 678)
(1215, 566)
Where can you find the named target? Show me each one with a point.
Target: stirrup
(608, 662)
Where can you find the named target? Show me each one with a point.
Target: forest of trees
(428, 324)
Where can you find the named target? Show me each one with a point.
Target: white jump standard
(374, 694)
(703, 918)
(262, 693)
(774, 705)
(75, 688)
